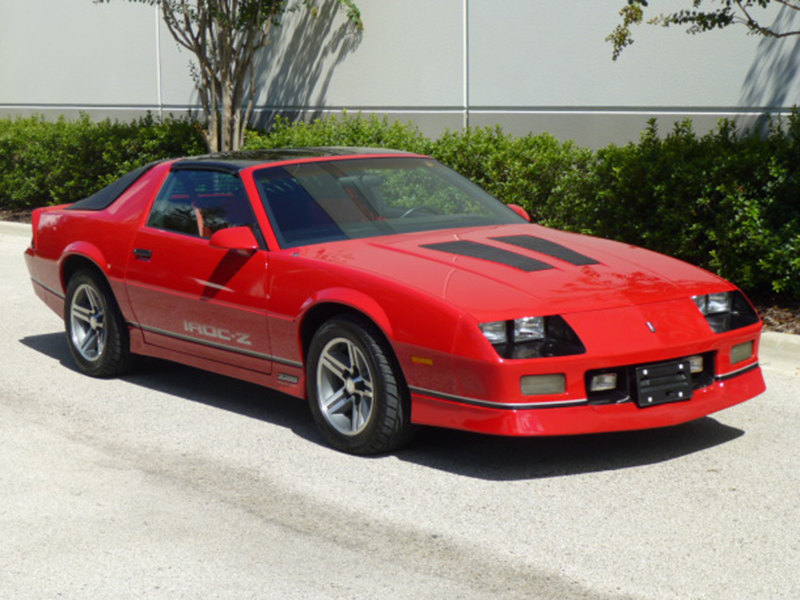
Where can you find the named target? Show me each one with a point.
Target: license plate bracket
(663, 383)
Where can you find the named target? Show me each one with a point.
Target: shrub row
(728, 201)
(44, 162)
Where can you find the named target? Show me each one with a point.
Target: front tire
(96, 331)
(356, 391)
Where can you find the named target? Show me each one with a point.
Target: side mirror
(520, 211)
(234, 238)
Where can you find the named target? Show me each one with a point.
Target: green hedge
(44, 162)
(728, 200)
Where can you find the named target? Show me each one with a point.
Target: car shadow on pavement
(458, 452)
(218, 391)
(500, 459)
(53, 345)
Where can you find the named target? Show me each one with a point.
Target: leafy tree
(225, 37)
(707, 15)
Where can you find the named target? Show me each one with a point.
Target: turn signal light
(742, 352)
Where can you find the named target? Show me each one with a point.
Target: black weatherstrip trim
(490, 253)
(549, 248)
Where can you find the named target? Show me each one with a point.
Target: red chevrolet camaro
(390, 292)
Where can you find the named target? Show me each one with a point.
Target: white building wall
(528, 65)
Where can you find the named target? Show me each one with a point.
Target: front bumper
(578, 416)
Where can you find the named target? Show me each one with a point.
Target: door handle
(142, 254)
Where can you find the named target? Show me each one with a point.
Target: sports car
(389, 292)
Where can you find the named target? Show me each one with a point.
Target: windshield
(347, 199)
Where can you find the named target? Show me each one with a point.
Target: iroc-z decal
(217, 333)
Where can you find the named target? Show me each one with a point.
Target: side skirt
(284, 378)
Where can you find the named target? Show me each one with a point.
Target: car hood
(504, 271)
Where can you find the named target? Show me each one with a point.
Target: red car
(390, 292)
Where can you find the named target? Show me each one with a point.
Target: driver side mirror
(234, 238)
(520, 211)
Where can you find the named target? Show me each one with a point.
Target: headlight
(532, 337)
(525, 329)
(528, 328)
(714, 304)
(496, 332)
(726, 311)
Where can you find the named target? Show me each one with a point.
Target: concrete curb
(780, 352)
(19, 229)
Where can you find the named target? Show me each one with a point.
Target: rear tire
(97, 334)
(356, 391)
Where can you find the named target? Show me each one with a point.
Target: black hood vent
(549, 248)
(490, 253)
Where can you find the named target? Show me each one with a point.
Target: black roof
(228, 162)
(236, 161)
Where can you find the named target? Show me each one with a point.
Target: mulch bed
(18, 216)
(780, 318)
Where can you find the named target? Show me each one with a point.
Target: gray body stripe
(49, 289)
(542, 405)
(187, 338)
(738, 372)
(499, 405)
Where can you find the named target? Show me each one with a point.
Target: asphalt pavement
(172, 483)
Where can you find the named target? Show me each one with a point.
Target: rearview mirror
(520, 211)
(234, 238)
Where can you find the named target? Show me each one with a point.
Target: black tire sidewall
(387, 386)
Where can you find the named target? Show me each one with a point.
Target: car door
(189, 296)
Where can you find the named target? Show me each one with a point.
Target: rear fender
(83, 250)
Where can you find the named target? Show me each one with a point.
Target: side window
(201, 203)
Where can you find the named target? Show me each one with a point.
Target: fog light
(540, 385)
(741, 352)
(696, 364)
(603, 383)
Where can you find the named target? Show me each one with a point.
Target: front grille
(663, 382)
(652, 384)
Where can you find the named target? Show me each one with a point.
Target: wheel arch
(325, 310)
(78, 256)
(333, 303)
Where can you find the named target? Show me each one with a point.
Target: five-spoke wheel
(344, 386)
(356, 391)
(87, 313)
(96, 331)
